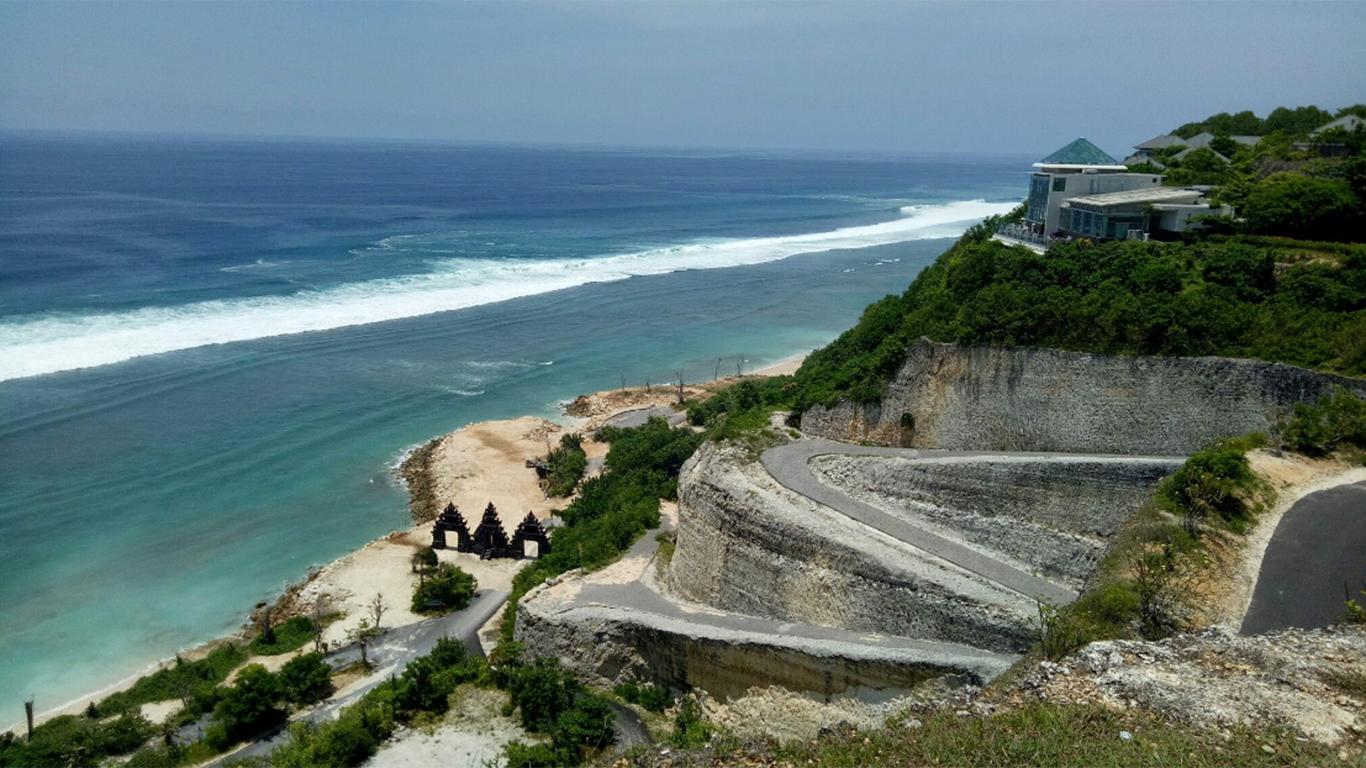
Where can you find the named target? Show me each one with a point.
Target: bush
(306, 679)
(647, 695)
(1296, 205)
(690, 730)
(75, 740)
(565, 466)
(179, 681)
(249, 708)
(448, 589)
(1335, 421)
(1060, 633)
(1212, 483)
(541, 691)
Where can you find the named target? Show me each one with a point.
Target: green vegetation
(647, 695)
(250, 708)
(565, 466)
(447, 588)
(742, 408)
(1337, 422)
(552, 701)
(182, 680)
(423, 690)
(690, 730)
(1055, 736)
(613, 509)
(306, 679)
(1213, 483)
(291, 635)
(1224, 297)
(76, 740)
(1294, 121)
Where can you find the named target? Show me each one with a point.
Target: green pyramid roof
(1079, 152)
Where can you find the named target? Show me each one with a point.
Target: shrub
(1296, 205)
(647, 695)
(75, 740)
(1337, 420)
(179, 681)
(541, 691)
(519, 755)
(250, 707)
(306, 679)
(565, 466)
(1060, 633)
(1212, 483)
(690, 730)
(448, 589)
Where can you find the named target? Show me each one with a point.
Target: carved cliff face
(1030, 399)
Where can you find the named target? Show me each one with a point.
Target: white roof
(1346, 123)
(1149, 195)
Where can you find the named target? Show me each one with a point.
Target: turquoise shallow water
(146, 505)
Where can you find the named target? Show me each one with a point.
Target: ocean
(214, 353)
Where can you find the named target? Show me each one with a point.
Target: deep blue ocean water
(212, 353)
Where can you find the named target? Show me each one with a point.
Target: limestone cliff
(994, 398)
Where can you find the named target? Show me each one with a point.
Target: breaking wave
(35, 345)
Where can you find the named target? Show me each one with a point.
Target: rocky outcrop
(1056, 519)
(1031, 399)
(748, 545)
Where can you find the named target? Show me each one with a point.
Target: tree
(1295, 205)
(363, 634)
(306, 679)
(448, 589)
(251, 705)
(322, 608)
(377, 608)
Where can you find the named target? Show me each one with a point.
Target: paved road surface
(389, 656)
(1319, 545)
(638, 417)
(790, 465)
(632, 599)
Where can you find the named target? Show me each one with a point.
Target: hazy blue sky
(877, 76)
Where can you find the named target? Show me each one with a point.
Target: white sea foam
(35, 345)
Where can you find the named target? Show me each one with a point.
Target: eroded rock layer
(1030, 399)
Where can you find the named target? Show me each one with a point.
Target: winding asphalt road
(1318, 548)
(790, 465)
(389, 656)
(627, 597)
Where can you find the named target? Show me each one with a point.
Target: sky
(899, 77)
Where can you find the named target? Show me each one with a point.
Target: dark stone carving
(530, 529)
(490, 540)
(450, 519)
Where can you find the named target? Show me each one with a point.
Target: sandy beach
(470, 467)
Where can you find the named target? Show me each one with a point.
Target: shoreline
(477, 460)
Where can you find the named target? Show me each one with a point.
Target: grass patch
(290, 635)
(76, 740)
(181, 680)
(1057, 736)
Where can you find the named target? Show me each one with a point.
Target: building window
(1059, 183)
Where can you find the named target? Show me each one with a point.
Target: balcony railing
(1024, 233)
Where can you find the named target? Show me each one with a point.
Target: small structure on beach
(530, 529)
(490, 540)
(451, 520)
